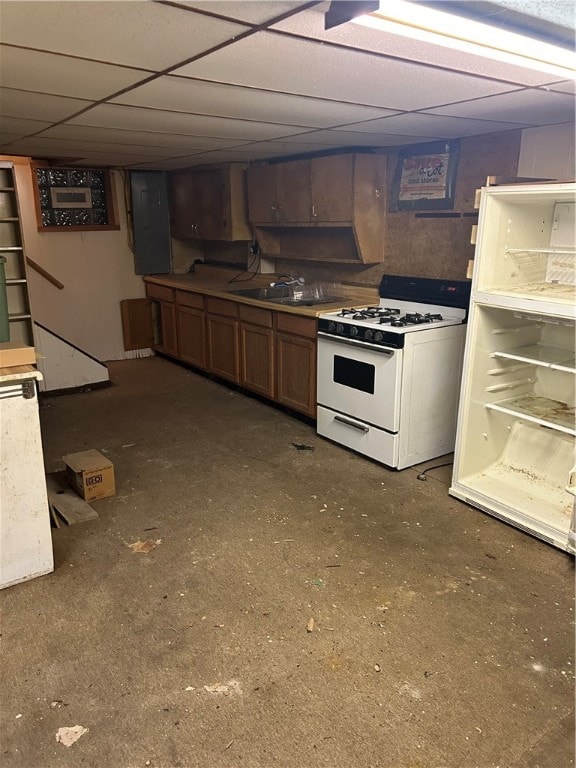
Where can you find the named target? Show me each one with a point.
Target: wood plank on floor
(65, 502)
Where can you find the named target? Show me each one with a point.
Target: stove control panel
(358, 333)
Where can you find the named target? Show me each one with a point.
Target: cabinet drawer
(296, 324)
(255, 315)
(188, 299)
(221, 307)
(160, 292)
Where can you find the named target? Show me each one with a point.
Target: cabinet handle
(314, 211)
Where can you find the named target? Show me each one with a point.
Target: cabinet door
(257, 355)
(192, 336)
(262, 194)
(212, 222)
(184, 204)
(332, 182)
(166, 328)
(296, 373)
(223, 350)
(294, 194)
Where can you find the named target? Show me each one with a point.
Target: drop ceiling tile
(265, 149)
(341, 138)
(310, 24)
(21, 127)
(58, 147)
(198, 96)
(564, 86)
(308, 68)
(173, 164)
(414, 124)
(60, 75)
(150, 138)
(137, 34)
(254, 12)
(531, 107)
(116, 116)
(38, 106)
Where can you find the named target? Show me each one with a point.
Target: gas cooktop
(407, 305)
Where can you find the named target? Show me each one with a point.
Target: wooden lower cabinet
(191, 325)
(296, 373)
(267, 352)
(167, 342)
(257, 356)
(257, 349)
(296, 362)
(222, 347)
(192, 336)
(163, 318)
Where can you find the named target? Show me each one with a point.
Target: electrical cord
(236, 278)
(422, 475)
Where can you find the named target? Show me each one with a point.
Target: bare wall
(97, 269)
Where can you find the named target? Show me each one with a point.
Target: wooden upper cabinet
(330, 208)
(210, 203)
(332, 188)
(294, 194)
(323, 190)
(262, 194)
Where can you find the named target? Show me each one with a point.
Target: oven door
(360, 380)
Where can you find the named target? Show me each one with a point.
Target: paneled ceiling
(164, 85)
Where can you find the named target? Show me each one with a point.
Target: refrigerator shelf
(538, 354)
(529, 251)
(539, 290)
(514, 487)
(543, 411)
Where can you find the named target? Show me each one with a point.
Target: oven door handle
(357, 343)
(349, 423)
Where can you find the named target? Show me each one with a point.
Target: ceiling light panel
(62, 76)
(300, 67)
(136, 34)
(311, 24)
(182, 94)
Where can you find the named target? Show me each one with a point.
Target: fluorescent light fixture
(459, 33)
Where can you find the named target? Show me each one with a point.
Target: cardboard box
(91, 474)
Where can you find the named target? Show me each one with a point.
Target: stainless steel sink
(265, 293)
(284, 296)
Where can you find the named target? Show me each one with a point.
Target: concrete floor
(442, 637)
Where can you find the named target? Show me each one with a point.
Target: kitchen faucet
(287, 280)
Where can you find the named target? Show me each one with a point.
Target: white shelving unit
(12, 249)
(516, 434)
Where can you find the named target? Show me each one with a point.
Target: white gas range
(389, 375)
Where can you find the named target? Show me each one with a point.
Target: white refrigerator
(25, 534)
(515, 443)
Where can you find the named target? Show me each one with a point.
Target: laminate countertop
(220, 282)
